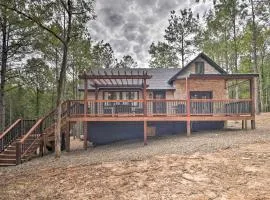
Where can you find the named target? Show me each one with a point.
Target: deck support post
(188, 107)
(145, 132)
(225, 124)
(96, 98)
(144, 98)
(253, 124)
(85, 114)
(253, 103)
(67, 136)
(244, 124)
(41, 148)
(18, 153)
(45, 140)
(145, 113)
(85, 135)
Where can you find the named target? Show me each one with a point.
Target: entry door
(201, 107)
(159, 107)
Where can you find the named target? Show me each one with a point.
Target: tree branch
(33, 20)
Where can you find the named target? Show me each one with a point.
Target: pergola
(114, 79)
(110, 79)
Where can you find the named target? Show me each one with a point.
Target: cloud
(130, 26)
(111, 19)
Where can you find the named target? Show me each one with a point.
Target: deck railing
(220, 107)
(14, 131)
(29, 141)
(160, 107)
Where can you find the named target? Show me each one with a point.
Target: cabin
(125, 104)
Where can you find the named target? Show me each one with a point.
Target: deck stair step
(7, 156)
(7, 160)
(7, 164)
(9, 152)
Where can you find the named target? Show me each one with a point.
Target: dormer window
(199, 67)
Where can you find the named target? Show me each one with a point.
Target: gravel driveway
(135, 150)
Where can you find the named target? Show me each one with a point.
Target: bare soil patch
(216, 165)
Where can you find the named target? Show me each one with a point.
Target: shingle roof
(162, 78)
(159, 80)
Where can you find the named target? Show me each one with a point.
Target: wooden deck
(160, 110)
(158, 118)
(149, 110)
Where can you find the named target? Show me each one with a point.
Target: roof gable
(204, 57)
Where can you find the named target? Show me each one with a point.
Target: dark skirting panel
(109, 132)
(207, 125)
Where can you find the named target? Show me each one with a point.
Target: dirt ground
(239, 169)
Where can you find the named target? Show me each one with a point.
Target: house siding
(208, 69)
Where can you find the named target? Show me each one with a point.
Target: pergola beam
(115, 79)
(120, 86)
(115, 76)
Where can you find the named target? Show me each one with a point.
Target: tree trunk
(235, 51)
(61, 82)
(3, 70)
(182, 52)
(255, 66)
(37, 102)
(262, 79)
(226, 52)
(60, 92)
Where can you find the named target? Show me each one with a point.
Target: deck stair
(10, 137)
(25, 139)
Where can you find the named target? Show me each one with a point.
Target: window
(120, 95)
(199, 67)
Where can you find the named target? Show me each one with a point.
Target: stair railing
(10, 134)
(26, 144)
(15, 131)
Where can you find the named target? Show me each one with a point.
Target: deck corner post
(145, 132)
(188, 128)
(144, 98)
(253, 124)
(41, 152)
(245, 124)
(188, 107)
(225, 124)
(44, 138)
(67, 140)
(18, 152)
(85, 135)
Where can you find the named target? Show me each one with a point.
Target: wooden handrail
(166, 100)
(116, 101)
(163, 100)
(9, 128)
(220, 100)
(31, 130)
(38, 123)
(23, 153)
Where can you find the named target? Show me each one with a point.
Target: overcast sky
(130, 26)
